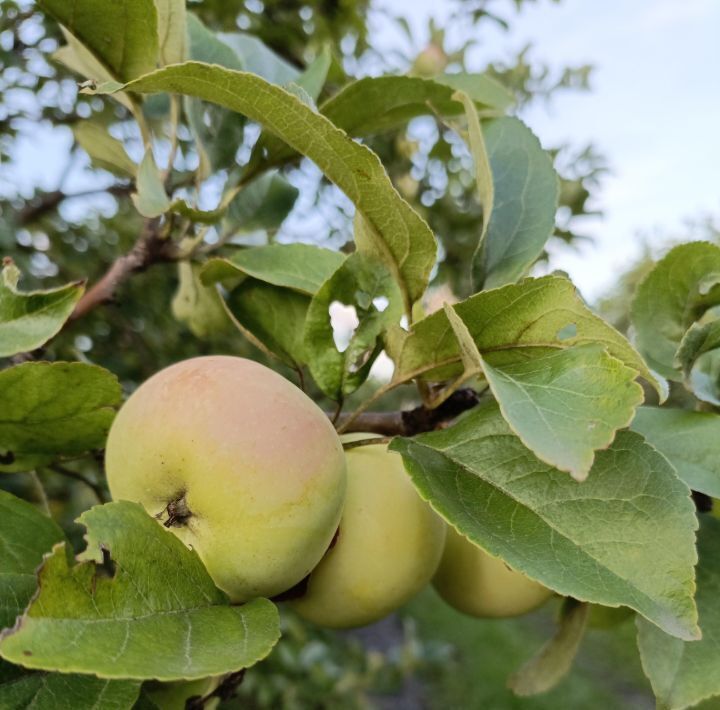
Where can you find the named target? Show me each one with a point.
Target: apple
(239, 463)
(174, 695)
(474, 582)
(388, 546)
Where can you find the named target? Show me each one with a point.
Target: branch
(413, 421)
(150, 248)
(49, 201)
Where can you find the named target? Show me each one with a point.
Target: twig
(372, 441)
(50, 200)
(95, 487)
(149, 248)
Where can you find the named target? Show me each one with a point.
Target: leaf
(535, 316)
(683, 674)
(198, 306)
(259, 59)
(55, 408)
(364, 284)
(300, 267)
(690, 442)
(156, 615)
(28, 319)
(150, 200)
(206, 46)
(525, 198)
(483, 172)
(352, 167)
(272, 318)
(469, 354)
(624, 537)
(699, 357)
(105, 151)
(25, 536)
(60, 691)
(554, 660)
(675, 294)
(123, 36)
(172, 30)
(566, 404)
(262, 204)
(313, 78)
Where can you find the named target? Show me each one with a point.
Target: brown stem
(150, 248)
(69, 473)
(372, 441)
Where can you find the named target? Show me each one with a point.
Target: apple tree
(544, 453)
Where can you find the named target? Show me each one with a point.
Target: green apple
(388, 546)
(478, 584)
(174, 695)
(239, 463)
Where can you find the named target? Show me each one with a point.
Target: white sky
(654, 111)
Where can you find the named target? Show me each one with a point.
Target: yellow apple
(239, 463)
(474, 582)
(388, 546)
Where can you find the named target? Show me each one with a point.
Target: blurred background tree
(74, 227)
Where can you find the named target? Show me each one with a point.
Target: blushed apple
(388, 546)
(239, 463)
(474, 582)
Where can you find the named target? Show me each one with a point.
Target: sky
(653, 112)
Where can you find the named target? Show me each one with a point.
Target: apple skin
(174, 695)
(252, 459)
(388, 547)
(475, 583)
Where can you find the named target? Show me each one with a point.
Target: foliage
(200, 138)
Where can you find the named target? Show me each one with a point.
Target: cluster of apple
(246, 469)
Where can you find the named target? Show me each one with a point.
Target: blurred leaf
(172, 30)
(156, 615)
(25, 536)
(28, 319)
(623, 537)
(682, 674)
(206, 46)
(675, 294)
(123, 36)
(365, 285)
(313, 78)
(195, 215)
(525, 199)
(554, 660)
(260, 59)
(272, 318)
(150, 200)
(690, 442)
(535, 316)
(105, 151)
(567, 404)
(300, 267)
(62, 691)
(55, 408)
(699, 357)
(198, 306)
(352, 167)
(262, 204)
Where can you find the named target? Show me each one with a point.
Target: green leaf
(554, 660)
(154, 614)
(675, 294)
(198, 306)
(300, 267)
(683, 674)
(150, 200)
(374, 104)
(352, 167)
(690, 442)
(259, 59)
(123, 36)
(533, 317)
(566, 404)
(313, 78)
(623, 537)
(105, 151)
(60, 691)
(364, 284)
(172, 30)
(272, 318)
(25, 536)
(55, 408)
(699, 358)
(525, 199)
(28, 319)
(206, 46)
(469, 354)
(262, 204)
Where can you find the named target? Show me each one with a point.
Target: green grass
(606, 674)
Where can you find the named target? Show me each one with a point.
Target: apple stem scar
(177, 511)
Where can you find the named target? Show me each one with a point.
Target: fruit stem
(367, 442)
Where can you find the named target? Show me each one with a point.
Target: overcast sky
(654, 111)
